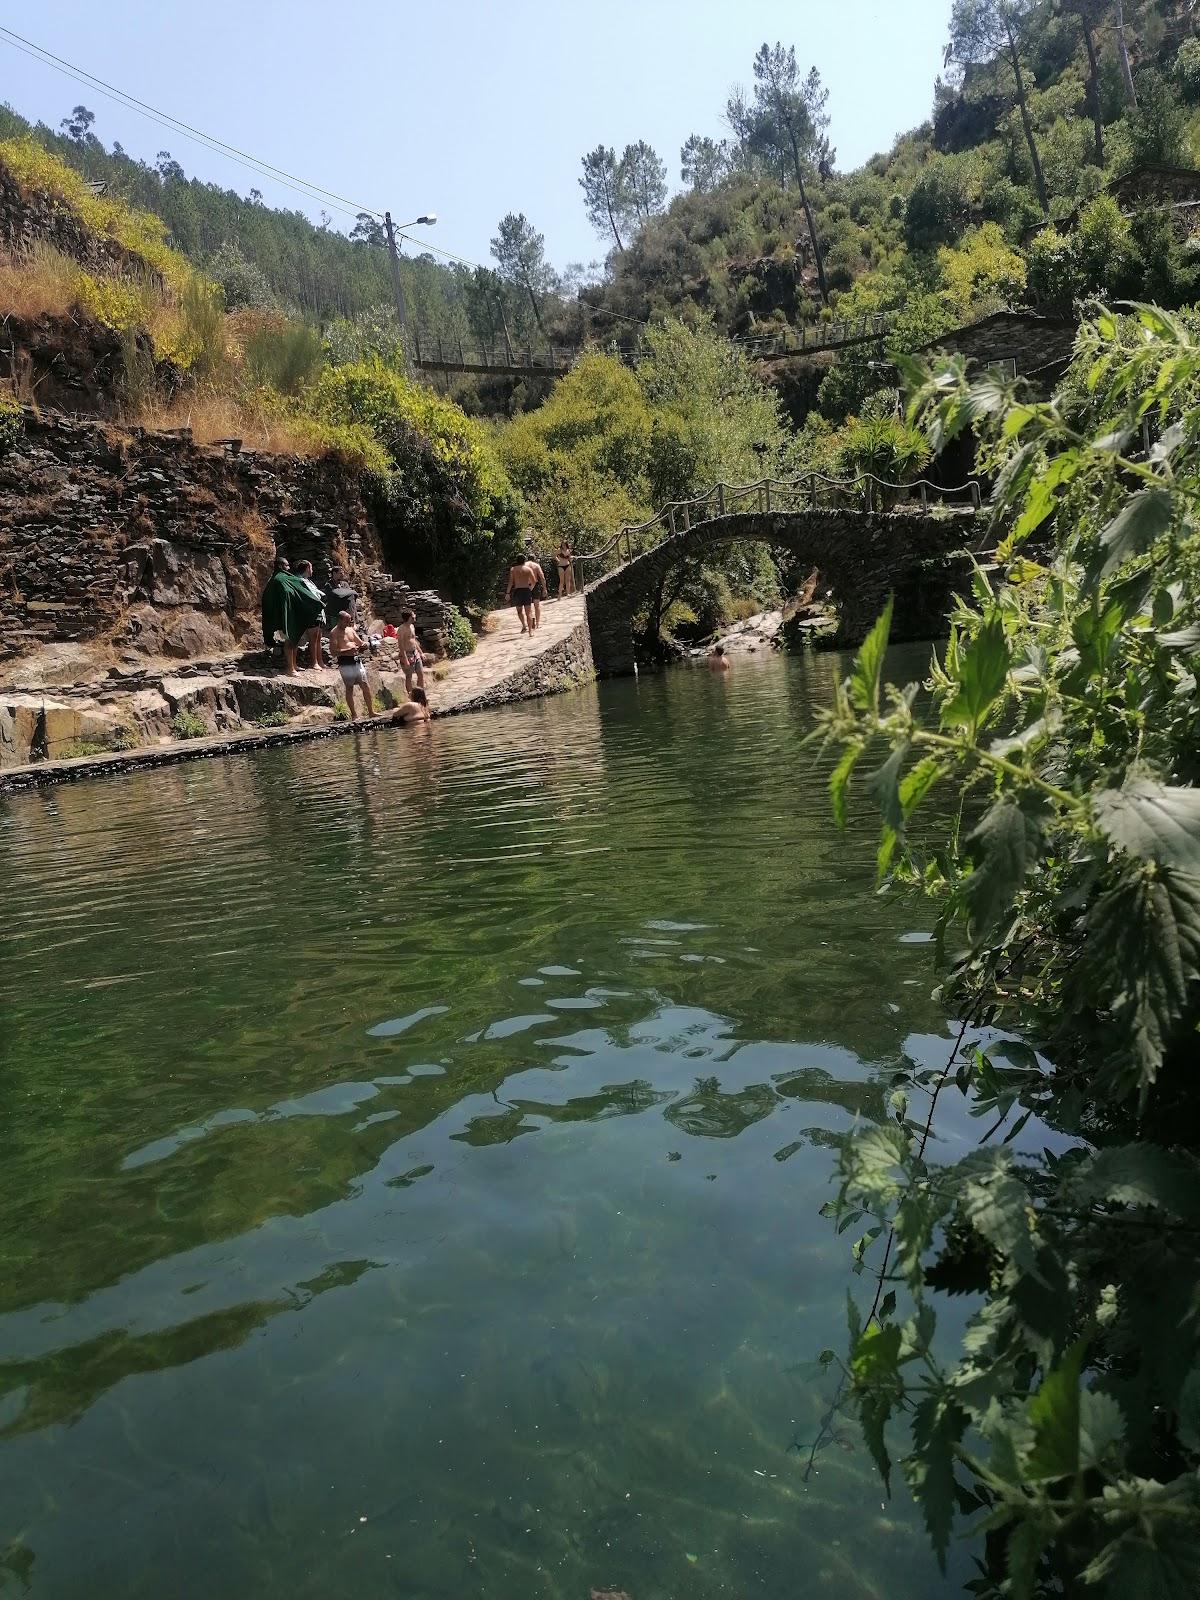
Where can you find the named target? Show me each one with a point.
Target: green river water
(411, 1156)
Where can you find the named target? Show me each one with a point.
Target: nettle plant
(1062, 732)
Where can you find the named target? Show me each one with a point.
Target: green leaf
(1144, 950)
(1054, 1413)
(1140, 521)
(1189, 1411)
(873, 1413)
(1041, 500)
(876, 1356)
(917, 783)
(1160, 1563)
(868, 665)
(1153, 821)
(1101, 1428)
(982, 670)
(1140, 1174)
(839, 782)
(883, 786)
(1026, 1543)
(1004, 848)
(1185, 640)
(938, 1425)
(997, 1205)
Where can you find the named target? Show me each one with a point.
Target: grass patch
(341, 712)
(273, 719)
(82, 747)
(187, 725)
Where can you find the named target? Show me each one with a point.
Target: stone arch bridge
(920, 550)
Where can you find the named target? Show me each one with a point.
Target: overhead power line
(243, 158)
(266, 169)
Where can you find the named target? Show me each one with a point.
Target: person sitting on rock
(347, 645)
(292, 612)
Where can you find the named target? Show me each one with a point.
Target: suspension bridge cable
(263, 168)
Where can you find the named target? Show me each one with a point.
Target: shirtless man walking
(522, 578)
(540, 591)
(347, 645)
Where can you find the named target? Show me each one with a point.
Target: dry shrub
(212, 416)
(43, 283)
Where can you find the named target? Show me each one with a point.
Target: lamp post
(426, 219)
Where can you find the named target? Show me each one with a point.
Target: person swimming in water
(718, 661)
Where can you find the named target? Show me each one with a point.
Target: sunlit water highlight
(411, 1155)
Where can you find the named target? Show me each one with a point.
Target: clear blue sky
(469, 109)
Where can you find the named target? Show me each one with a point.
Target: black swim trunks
(522, 597)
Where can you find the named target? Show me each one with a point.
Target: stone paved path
(501, 651)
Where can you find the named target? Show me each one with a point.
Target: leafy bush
(885, 446)
(1065, 723)
(1187, 70)
(187, 725)
(273, 719)
(286, 355)
(447, 509)
(460, 636)
(12, 423)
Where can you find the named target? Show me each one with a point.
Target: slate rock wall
(156, 543)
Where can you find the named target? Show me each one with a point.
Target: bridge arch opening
(862, 557)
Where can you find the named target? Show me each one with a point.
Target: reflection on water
(412, 1156)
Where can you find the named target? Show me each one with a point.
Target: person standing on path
(566, 569)
(521, 579)
(291, 612)
(540, 591)
(347, 645)
(409, 647)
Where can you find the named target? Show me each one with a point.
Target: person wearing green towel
(291, 612)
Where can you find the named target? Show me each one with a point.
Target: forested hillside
(1000, 197)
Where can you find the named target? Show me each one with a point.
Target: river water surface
(411, 1153)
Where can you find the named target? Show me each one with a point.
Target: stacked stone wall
(33, 218)
(156, 543)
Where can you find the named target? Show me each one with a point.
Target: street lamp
(426, 219)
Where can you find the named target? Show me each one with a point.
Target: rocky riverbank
(58, 729)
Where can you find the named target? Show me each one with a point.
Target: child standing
(411, 658)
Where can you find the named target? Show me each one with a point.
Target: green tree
(601, 192)
(981, 30)
(1089, 14)
(791, 113)
(703, 162)
(1155, 125)
(641, 182)
(1064, 727)
(520, 253)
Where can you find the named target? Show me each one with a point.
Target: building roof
(1034, 344)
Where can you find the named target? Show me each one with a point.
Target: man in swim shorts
(409, 648)
(522, 579)
(347, 645)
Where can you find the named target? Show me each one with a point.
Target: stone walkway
(504, 666)
(502, 650)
